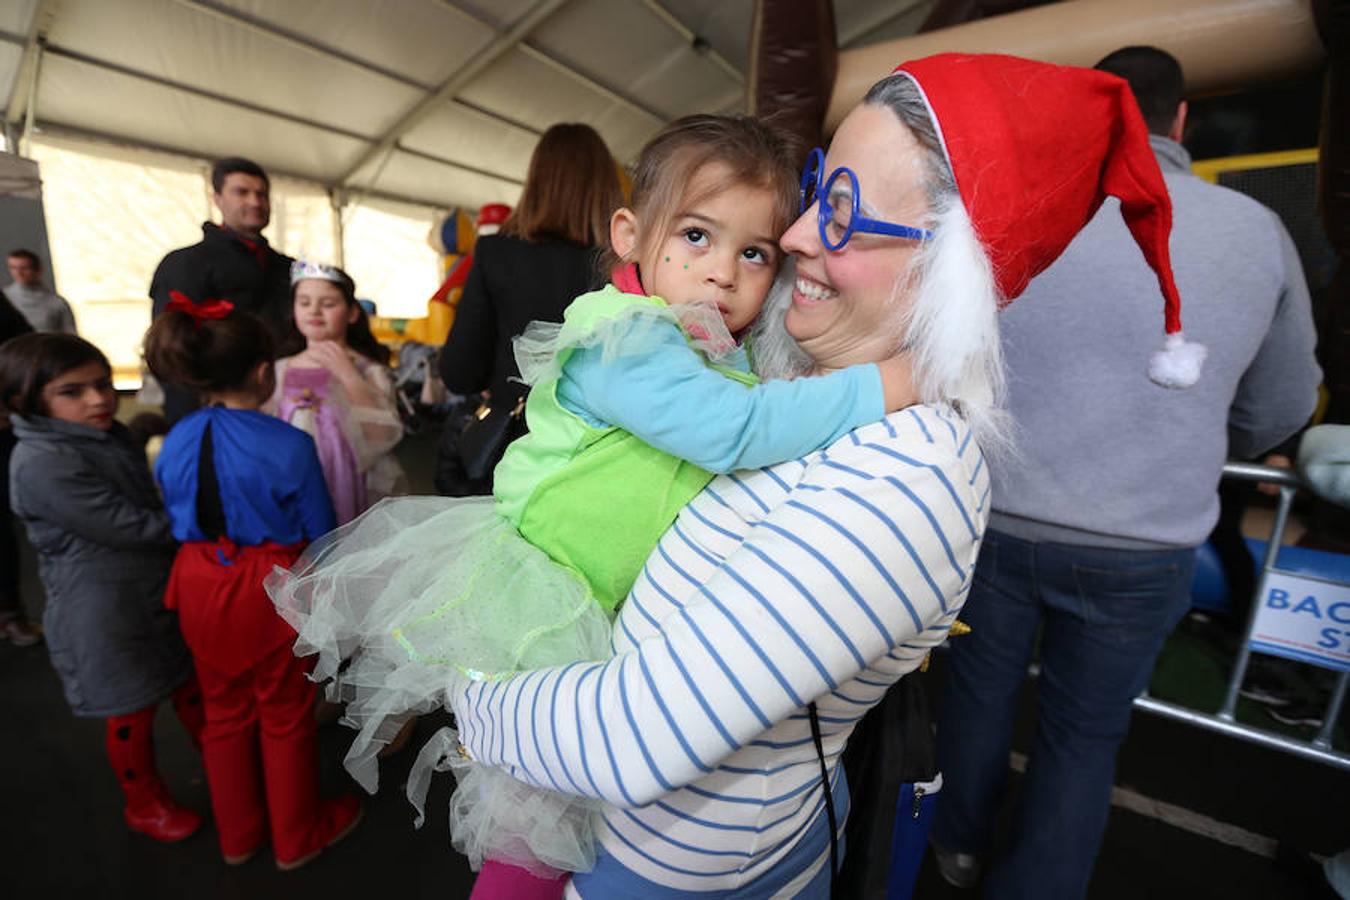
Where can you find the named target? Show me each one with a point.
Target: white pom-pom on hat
(1178, 363)
(1007, 126)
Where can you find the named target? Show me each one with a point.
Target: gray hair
(950, 327)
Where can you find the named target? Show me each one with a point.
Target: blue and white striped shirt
(826, 579)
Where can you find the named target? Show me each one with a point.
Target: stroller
(422, 397)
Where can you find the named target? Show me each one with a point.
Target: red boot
(149, 810)
(187, 703)
(337, 819)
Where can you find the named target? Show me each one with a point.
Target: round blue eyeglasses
(838, 206)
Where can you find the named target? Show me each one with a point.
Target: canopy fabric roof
(435, 101)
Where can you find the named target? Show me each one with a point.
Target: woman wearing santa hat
(783, 602)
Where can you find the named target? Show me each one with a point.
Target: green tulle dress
(420, 590)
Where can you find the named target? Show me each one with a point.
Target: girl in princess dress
(338, 390)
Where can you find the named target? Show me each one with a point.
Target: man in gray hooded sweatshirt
(1112, 486)
(44, 309)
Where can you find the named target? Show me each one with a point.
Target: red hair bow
(207, 309)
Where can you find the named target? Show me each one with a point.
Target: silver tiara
(301, 269)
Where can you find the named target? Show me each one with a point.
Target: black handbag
(468, 458)
(891, 764)
(483, 442)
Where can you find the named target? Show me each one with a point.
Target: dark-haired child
(337, 388)
(245, 492)
(81, 486)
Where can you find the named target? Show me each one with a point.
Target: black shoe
(20, 632)
(960, 870)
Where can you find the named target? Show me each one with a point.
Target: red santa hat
(1035, 148)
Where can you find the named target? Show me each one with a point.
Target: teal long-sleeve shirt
(671, 399)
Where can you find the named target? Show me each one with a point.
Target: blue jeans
(1103, 616)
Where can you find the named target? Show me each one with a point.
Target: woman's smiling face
(847, 303)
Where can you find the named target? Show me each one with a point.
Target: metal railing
(1319, 749)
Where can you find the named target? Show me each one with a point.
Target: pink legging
(502, 881)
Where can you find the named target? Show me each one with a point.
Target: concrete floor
(61, 833)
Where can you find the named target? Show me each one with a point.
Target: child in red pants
(82, 488)
(245, 493)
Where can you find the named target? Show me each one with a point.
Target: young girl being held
(244, 492)
(638, 397)
(81, 486)
(338, 390)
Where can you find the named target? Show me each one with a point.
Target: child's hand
(1279, 461)
(897, 382)
(335, 358)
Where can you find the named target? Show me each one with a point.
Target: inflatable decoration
(453, 238)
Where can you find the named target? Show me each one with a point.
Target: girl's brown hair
(570, 191)
(754, 152)
(32, 361)
(207, 355)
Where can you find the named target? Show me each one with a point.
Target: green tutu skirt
(421, 592)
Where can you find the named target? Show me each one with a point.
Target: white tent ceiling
(437, 101)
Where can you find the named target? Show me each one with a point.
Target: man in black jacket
(15, 625)
(233, 261)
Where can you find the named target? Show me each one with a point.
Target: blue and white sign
(1304, 618)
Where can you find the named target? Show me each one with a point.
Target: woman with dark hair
(543, 258)
(81, 487)
(334, 384)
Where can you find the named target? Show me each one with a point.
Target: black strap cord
(829, 794)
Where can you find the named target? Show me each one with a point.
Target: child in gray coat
(81, 486)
